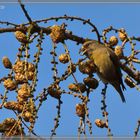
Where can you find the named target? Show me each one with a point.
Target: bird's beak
(82, 51)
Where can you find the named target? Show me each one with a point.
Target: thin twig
(8, 23)
(25, 12)
(136, 130)
(104, 113)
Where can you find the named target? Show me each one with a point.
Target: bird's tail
(123, 87)
(117, 86)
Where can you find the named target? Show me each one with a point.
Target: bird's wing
(104, 65)
(115, 61)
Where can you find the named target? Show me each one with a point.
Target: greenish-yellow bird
(107, 64)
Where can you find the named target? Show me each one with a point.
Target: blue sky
(122, 117)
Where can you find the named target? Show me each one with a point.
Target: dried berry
(10, 84)
(81, 86)
(100, 123)
(77, 87)
(24, 91)
(20, 78)
(113, 40)
(30, 75)
(21, 100)
(20, 74)
(6, 62)
(54, 92)
(13, 106)
(9, 121)
(73, 87)
(80, 110)
(21, 37)
(119, 52)
(122, 35)
(31, 67)
(27, 116)
(91, 82)
(18, 67)
(87, 67)
(6, 127)
(57, 34)
(63, 58)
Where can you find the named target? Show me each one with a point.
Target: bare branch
(7, 23)
(71, 18)
(25, 11)
(130, 72)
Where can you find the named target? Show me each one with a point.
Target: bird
(107, 64)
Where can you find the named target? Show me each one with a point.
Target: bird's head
(88, 47)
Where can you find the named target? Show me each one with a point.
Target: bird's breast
(105, 67)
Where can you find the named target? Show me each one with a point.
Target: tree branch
(70, 36)
(65, 17)
(25, 11)
(132, 74)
